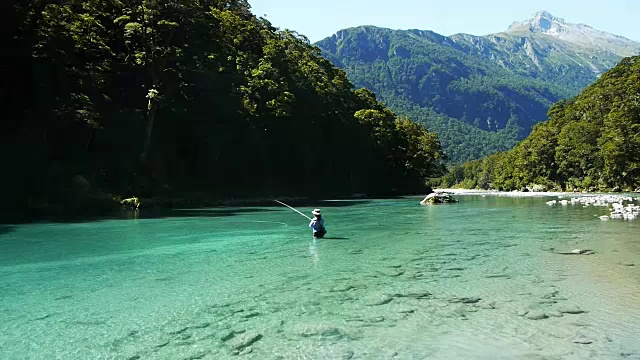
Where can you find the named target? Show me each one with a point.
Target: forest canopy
(169, 98)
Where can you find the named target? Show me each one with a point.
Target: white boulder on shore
(630, 211)
(622, 207)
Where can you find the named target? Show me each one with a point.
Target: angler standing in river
(317, 224)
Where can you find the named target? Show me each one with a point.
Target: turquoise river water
(480, 279)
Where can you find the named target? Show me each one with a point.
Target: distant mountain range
(481, 94)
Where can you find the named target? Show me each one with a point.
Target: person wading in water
(317, 224)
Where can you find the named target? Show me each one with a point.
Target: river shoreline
(516, 193)
(107, 207)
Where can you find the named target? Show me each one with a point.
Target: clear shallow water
(393, 279)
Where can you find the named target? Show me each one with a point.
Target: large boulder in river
(438, 198)
(132, 202)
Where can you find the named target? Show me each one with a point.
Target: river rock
(414, 292)
(496, 276)
(133, 202)
(465, 300)
(178, 330)
(228, 335)
(438, 198)
(571, 310)
(162, 344)
(377, 299)
(391, 272)
(554, 313)
(347, 355)
(244, 340)
(536, 315)
(318, 330)
(581, 339)
(577, 252)
(202, 325)
(405, 310)
(249, 314)
(488, 306)
(342, 288)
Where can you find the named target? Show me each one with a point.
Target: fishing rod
(280, 202)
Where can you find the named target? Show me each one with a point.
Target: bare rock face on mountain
(544, 23)
(550, 48)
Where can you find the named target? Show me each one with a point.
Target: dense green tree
(591, 142)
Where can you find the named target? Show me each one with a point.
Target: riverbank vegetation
(114, 99)
(588, 143)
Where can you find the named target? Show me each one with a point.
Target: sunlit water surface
(480, 279)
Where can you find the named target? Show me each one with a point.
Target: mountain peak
(542, 14)
(540, 22)
(545, 24)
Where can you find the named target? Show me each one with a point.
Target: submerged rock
(377, 299)
(391, 272)
(324, 331)
(250, 314)
(581, 339)
(577, 252)
(554, 313)
(178, 330)
(438, 198)
(227, 335)
(415, 293)
(162, 344)
(347, 355)
(571, 310)
(342, 288)
(488, 306)
(465, 300)
(244, 340)
(536, 315)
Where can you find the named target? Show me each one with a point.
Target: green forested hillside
(478, 106)
(591, 142)
(481, 94)
(174, 98)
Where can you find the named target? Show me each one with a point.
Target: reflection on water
(313, 250)
(477, 279)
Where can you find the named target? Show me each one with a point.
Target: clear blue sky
(321, 18)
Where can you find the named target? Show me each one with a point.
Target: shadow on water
(4, 229)
(127, 214)
(325, 203)
(155, 213)
(206, 212)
